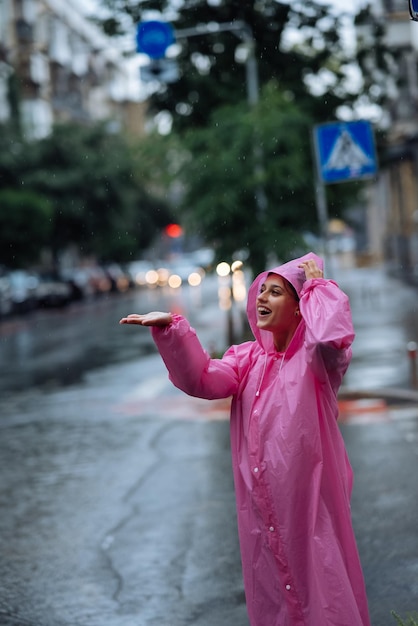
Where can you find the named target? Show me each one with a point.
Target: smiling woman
(278, 309)
(292, 476)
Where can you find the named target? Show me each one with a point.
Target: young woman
(292, 476)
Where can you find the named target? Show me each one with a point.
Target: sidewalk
(383, 448)
(379, 422)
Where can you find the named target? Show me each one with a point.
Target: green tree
(98, 199)
(383, 74)
(225, 178)
(25, 227)
(94, 187)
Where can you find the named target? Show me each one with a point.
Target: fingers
(154, 318)
(132, 319)
(311, 269)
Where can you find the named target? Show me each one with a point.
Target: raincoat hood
(294, 275)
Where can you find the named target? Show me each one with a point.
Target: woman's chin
(262, 324)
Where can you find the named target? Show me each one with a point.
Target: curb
(376, 405)
(390, 394)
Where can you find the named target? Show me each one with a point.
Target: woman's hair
(290, 289)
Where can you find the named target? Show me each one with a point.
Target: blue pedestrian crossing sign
(345, 151)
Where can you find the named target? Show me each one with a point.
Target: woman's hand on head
(154, 318)
(311, 269)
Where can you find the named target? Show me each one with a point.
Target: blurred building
(393, 204)
(56, 66)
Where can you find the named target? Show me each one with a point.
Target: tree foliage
(252, 178)
(96, 198)
(210, 74)
(382, 73)
(25, 226)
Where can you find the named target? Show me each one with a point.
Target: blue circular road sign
(153, 38)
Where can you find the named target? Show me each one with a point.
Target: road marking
(151, 388)
(363, 411)
(369, 410)
(158, 397)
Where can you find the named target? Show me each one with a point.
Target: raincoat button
(255, 470)
(288, 587)
(271, 529)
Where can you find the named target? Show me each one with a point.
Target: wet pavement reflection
(57, 347)
(385, 316)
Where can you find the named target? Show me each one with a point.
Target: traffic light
(173, 230)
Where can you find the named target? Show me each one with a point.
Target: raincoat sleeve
(190, 367)
(329, 327)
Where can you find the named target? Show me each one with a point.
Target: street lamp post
(243, 31)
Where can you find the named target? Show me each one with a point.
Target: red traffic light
(173, 230)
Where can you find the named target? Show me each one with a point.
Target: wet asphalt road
(116, 494)
(51, 348)
(116, 490)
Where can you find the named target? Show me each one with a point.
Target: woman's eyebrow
(272, 286)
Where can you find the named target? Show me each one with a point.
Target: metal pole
(320, 197)
(244, 32)
(252, 77)
(322, 211)
(238, 27)
(412, 353)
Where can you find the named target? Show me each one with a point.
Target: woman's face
(276, 305)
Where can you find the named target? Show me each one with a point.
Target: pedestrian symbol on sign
(345, 151)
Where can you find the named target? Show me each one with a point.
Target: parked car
(52, 291)
(119, 279)
(23, 286)
(6, 305)
(78, 280)
(87, 281)
(138, 271)
(185, 271)
(99, 281)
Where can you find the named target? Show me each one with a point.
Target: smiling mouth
(262, 311)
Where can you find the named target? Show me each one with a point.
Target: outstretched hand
(311, 269)
(154, 318)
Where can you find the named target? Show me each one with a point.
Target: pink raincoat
(292, 476)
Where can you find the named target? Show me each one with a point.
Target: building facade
(57, 66)
(393, 202)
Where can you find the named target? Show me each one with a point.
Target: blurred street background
(157, 155)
